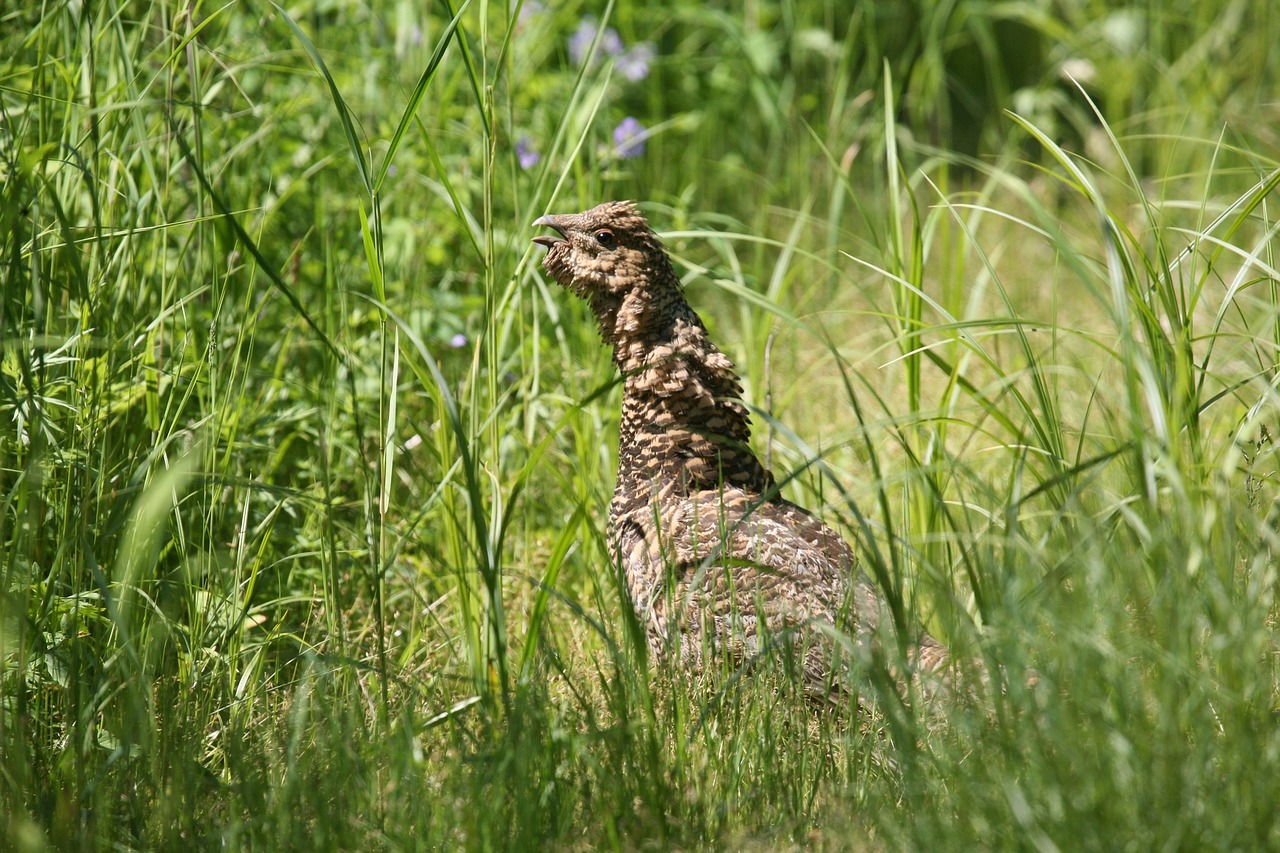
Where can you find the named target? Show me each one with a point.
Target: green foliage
(304, 465)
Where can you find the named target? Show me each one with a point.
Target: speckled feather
(711, 552)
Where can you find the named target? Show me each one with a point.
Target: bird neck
(683, 419)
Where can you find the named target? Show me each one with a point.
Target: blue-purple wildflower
(634, 61)
(458, 341)
(629, 137)
(580, 41)
(526, 153)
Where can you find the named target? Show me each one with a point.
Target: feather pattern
(714, 557)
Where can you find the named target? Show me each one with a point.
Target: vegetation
(304, 465)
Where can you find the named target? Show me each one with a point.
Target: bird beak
(549, 221)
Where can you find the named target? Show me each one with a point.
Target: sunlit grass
(305, 466)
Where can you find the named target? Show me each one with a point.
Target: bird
(715, 560)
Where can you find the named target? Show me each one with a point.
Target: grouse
(715, 560)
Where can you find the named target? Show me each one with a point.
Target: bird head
(608, 250)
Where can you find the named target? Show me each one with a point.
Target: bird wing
(719, 566)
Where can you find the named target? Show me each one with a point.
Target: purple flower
(526, 154)
(634, 62)
(580, 41)
(610, 42)
(458, 341)
(629, 137)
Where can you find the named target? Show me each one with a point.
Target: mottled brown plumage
(711, 552)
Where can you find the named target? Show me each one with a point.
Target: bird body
(715, 559)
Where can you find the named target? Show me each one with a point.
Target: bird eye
(605, 238)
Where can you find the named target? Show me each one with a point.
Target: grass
(305, 465)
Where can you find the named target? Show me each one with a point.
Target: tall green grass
(305, 466)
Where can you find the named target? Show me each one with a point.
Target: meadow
(305, 465)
